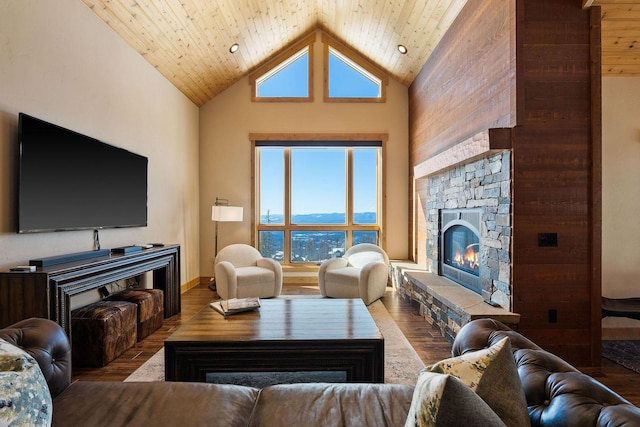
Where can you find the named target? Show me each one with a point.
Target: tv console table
(47, 292)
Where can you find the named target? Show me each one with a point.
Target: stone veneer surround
(484, 184)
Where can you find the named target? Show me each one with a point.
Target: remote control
(24, 268)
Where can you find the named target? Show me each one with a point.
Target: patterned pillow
(493, 375)
(443, 400)
(24, 396)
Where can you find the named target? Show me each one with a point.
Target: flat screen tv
(69, 181)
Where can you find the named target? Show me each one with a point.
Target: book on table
(236, 305)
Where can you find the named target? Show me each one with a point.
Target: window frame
(280, 61)
(331, 44)
(289, 141)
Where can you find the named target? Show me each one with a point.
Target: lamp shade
(226, 213)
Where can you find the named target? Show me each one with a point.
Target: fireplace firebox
(460, 247)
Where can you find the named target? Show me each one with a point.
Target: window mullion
(349, 192)
(287, 205)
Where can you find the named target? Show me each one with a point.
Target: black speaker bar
(61, 259)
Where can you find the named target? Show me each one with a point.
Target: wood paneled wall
(555, 175)
(544, 92)
(468, 84)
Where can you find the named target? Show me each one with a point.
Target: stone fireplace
(469, 202)
(467, 230)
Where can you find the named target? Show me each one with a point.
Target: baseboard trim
(190, 284)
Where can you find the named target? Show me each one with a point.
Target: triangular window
(287, 77)
(290, 79)
(349, 80)
(350, 77)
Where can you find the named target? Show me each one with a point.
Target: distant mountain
(326, 218)
(313, 246)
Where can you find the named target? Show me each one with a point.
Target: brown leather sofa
(109, 404)
(557, 393)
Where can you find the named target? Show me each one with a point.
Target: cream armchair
(241, 271)
(362, 272)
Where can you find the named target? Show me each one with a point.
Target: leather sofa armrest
(47, 342)
(483, 333)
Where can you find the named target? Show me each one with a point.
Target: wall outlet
(104, 291)
(553, 316)
(547, 240)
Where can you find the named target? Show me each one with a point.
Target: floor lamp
(222, 212)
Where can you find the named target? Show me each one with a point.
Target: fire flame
(469, 260)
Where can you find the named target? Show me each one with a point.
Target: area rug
(625, 353)
(401, 362)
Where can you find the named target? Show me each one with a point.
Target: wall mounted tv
(69, 181)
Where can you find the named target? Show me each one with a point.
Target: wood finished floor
(430, 346)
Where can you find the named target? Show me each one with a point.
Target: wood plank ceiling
(188, 40)
(620, 36)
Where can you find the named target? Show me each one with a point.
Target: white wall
(61, 63)
(621, 187)
(225, 157)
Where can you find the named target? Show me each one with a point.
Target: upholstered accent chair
(362, 272)
(241, 271)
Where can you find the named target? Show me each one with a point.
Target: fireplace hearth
(460, 247)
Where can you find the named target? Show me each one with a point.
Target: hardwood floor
(430, 346)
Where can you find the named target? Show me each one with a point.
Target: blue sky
(344, 81)
(319, 175)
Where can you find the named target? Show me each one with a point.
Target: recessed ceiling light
(234, 48)
(402, 49)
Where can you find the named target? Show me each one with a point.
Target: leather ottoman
(150, 304)
(102, 331)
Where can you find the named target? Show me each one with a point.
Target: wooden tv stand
(47, 292)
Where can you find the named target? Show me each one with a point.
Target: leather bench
(102, 331)
(150, 303)
(621, 307)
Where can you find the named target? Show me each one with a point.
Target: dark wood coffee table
(284, 335)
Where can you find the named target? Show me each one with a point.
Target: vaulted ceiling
(188, 41)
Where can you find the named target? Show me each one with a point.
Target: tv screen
(69, 181)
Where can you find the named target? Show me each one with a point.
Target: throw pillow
(443, 400)
(493, 375)
(24, 395)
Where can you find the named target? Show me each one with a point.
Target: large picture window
(314, 199)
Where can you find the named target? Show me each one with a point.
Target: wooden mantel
(481, 145)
